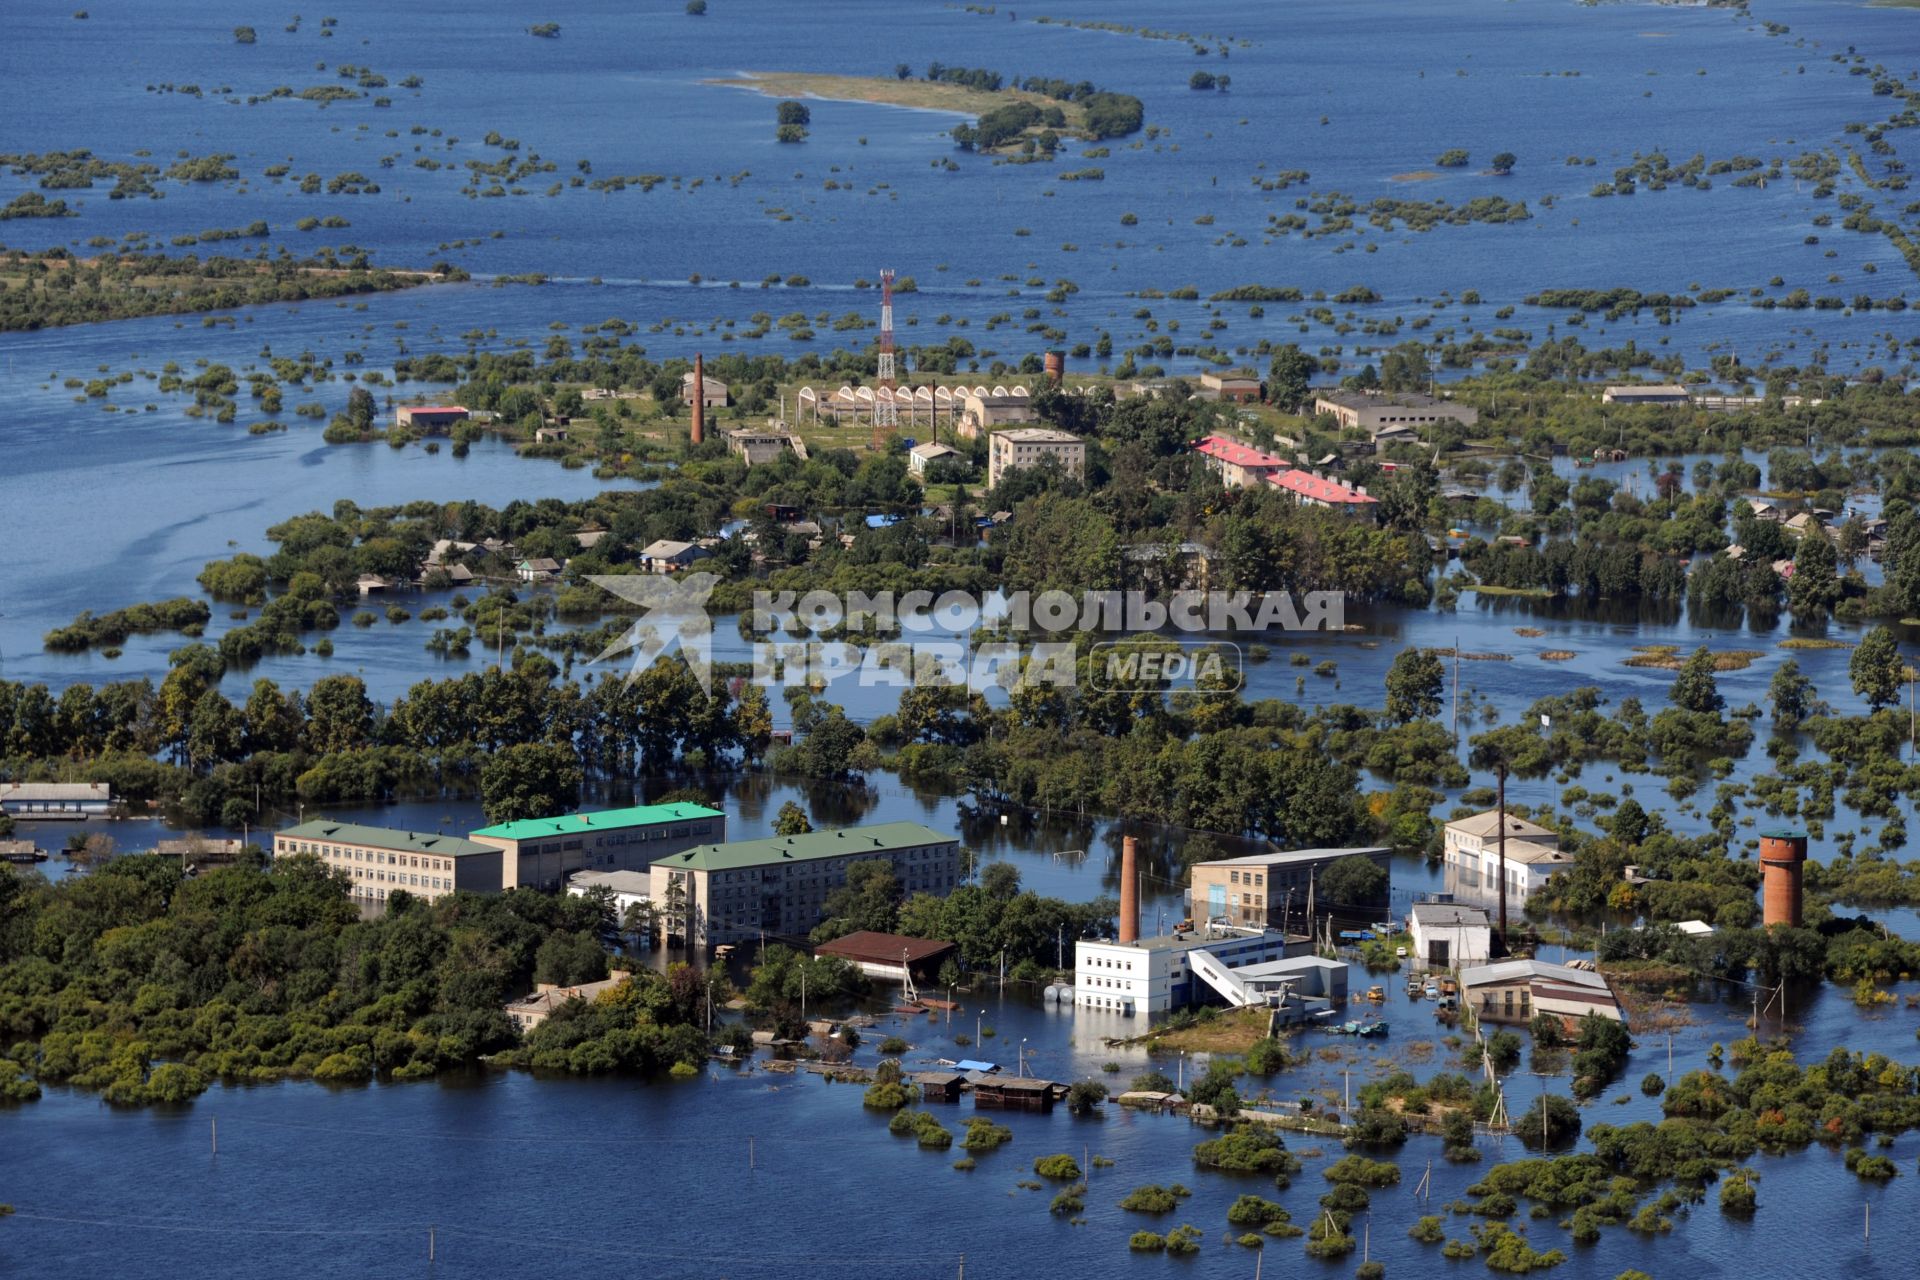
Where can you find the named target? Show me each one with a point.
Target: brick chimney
(699, 433)
(1129, 889)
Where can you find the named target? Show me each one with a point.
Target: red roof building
(888, 955)
(1310, 488)
(1240, 466)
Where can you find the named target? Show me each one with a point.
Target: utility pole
(1500, 771)
(215, 1122)
(429, 1242)
(1456, 691)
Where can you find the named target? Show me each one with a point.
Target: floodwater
(516, 1175)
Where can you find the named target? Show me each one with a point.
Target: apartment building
(540, 853)
(383, 860)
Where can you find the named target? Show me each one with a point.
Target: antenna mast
(886, 418)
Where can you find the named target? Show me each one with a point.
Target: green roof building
(381, 860)
(541, 853)
(716, 894)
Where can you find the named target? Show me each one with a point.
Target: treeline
(47, 290)
(183, 614)
(146, 987)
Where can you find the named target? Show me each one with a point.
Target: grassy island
(45, 290)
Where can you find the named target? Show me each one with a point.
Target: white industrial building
(1241, 966)
(1472, 850)
(1449, 936)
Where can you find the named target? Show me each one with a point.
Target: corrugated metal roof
(44, 791)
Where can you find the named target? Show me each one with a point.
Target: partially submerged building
(1513, 991)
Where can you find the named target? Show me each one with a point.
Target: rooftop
(884, 948)
(1195, 939)
(1650, 389)
(56, 791)
(1320, 489)
(1487, 825)
(645, 815)
(1388, 399)
(618, 881)
(1281, 857)
(437, 843)
(1233, 453)
(1535, 970)
(1037, 435)
(772, 850)
(1443, 914)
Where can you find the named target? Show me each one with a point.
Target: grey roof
(1447, 913)
(1512, 970)
(56, 791)
(439, 844)
(1280, 857)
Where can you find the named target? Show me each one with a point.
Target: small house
(1018, 1094)
(1446, 936)
(922, 456)
(430, 419)
(939, 1086)
(537, 569)
(667, 555)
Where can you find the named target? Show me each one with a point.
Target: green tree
(339, 714)
(1353, 881)
(1792, 695)
(1289, 375)
(1814, 588)
(529, 780)
(1876, 668)
(1695, 688)
(792, 820)
(1414, 684)
(1503, 163)
(791, 112)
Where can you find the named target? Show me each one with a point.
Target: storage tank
(1783, 856)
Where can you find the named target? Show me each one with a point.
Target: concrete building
(430, 419)
(1514, 990)
(1471, 848)
(380, 861)
(724, 893)
(1783, 859)
(541, 853)
(1157, 975)
(890, 957)
(1253, 891)
(1657, 393)
(665, 555)
(1311, 489)
(713, 392)
(757, 446)
(1029, 447)
(1373, 410)
(44, 800)
(1447, 936)
(529, 1012)
(1238, 387)
(984, 410)
(926, 453)
(1240, 466)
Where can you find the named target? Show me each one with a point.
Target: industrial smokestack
(699, 432)
(1056, 366)
(1129, 890)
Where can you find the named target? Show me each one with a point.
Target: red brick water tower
(1783, 854)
